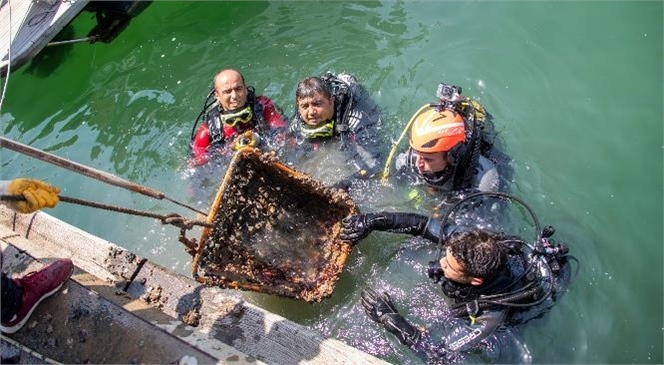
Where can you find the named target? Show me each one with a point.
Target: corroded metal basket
(275, 231)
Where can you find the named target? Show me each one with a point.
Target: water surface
(575, 89)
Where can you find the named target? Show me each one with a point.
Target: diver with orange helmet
(449, 146)
(445, 154)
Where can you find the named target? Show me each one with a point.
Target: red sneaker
(38, 286)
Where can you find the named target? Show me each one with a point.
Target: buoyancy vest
(344, 102)
(473, 109)
(522, 282)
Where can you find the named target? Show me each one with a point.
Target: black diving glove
(379, 307)
(356, 227)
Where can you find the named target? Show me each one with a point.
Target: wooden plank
(100, 258)
(209, 318)
(27, 26)
(77, 325)
(223, 315)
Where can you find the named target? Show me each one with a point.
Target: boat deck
(29, 25)
(121, 308)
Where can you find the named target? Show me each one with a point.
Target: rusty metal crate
(275, 231)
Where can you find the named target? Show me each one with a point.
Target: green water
(575, 89)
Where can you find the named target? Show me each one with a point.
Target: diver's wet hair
(479, 252)
(310, 86)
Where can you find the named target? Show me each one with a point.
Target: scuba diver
(493, 281)
(336, 108)
(450, 148)
(235, 117)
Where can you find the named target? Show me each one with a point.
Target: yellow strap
(480, 112)
(472, 320)
(386, 170)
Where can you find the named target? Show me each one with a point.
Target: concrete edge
(209, 318)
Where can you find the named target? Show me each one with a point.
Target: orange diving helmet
(436, 130)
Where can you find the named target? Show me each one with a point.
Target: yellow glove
(247, 138)
(37, 194)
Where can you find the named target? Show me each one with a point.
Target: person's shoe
(38, 286)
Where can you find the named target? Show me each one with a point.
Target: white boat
(26, 27)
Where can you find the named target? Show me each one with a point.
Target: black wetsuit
(356, 125)
(481, 168)
(446, 341)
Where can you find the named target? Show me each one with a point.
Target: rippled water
(575, 89)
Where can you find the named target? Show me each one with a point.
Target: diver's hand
(37, 194)
(245, 139)
(354, 228)
(377, 305)
(380, 308)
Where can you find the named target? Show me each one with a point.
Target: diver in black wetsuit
(337, 109)
(493, 282)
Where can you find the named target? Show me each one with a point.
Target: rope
(91, 39)
(172, 218)
(386, 170)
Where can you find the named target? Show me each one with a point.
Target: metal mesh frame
(275, 231)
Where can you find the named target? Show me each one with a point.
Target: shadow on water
(50, 58)
(111, 19)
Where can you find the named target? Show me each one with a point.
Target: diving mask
(233, 117)
(325, 129)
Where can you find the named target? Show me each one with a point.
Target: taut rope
(172, 218)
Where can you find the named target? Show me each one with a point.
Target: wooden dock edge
(121, 308)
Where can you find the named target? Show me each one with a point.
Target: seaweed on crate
(275, 231)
